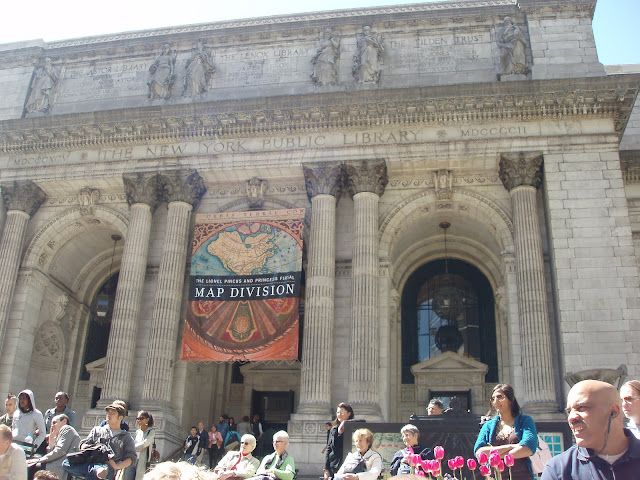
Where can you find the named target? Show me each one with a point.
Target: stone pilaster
(142, 194)
(521, 174)
(22, 200)
(323, 182)
(182, 191)
(366, 182)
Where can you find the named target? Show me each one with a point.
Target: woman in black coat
(333, 453)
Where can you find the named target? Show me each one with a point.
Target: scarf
(269, 460)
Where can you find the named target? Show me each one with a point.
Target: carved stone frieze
(142, 188)
(88, 198)
(23, 195)
(162, 74)
(323, 178)
(443, 181)
(198, 71)
(512, 44)
(605, 97)
(368, 58)
(59, 307)
(181, 186)
(366, 176)
(43, 88)
(255, 192)
(521, 168)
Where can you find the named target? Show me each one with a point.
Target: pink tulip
(414, 459)
(452, 464)
(471, 464)
(459, 462)
(435, 465)
(436, 472)
(484, 470)
(501, 466)
(438, 452)
(410, 450)
(509, 461)
(494, 460)
(482, 458)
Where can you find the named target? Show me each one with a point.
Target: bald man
(604, 448)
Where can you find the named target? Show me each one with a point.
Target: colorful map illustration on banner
(244, 289)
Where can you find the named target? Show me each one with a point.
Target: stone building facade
(494, 117)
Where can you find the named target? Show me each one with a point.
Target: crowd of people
(605, 424)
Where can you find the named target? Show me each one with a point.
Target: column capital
(23, 195)
(142, 188)
(520, 168)
(323, 178)
(181, 186)
(366, 176)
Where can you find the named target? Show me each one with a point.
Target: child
(192, 446)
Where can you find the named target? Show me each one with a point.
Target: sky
(616, 22)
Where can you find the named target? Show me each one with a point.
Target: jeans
(87, 470)
(190, 459)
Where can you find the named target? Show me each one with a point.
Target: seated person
(435, 407)
(278, 465)
(121, 443)
(178, 471)
(411, 439)
(238, 464)
(13, 463)
(364, 463)
(63, 439)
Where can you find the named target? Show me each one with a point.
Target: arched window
(453, 311)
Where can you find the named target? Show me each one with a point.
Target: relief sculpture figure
(162, 74)
(198, 71)
(325, 61)
(367, 62)
(43, 87)
(512, 49)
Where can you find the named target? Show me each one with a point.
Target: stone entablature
(431, 44)
(291, 126)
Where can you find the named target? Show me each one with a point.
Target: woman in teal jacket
(509, 432)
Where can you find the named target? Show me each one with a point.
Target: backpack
(540, 457)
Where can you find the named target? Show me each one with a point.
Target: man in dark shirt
(604, 448)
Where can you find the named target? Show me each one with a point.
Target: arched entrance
(470, 301)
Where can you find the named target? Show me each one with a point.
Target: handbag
(96, 453)
(354, 464)
(541, 456)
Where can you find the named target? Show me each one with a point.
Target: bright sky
(616, 22)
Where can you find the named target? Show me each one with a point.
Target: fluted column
(366, 182)
(323, 182)
(22, 199)
(182, 191)
(142, 194)
(521, 174)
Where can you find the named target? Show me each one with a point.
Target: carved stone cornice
(181, 186)
(630, 166)
(366, 176)
(521, 168)
(23, 195)
(595, 97)
(142, 188)
(323, 178)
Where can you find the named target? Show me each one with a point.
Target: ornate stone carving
(512, 44)
(366, 176)
(443, 181)
(88, 198)
(47, 347)
(323, 178)
(43, 88)
(198, 71)
(522, 168)
(368, 59)
(59, 307)
(255, 192)
(142, 188)
(325, 61)
(23, 195)
(181, 186)
(162, 74)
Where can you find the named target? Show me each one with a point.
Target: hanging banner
(244, 289)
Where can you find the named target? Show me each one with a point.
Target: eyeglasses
(245, 443)
(497, 398)
(278, 441)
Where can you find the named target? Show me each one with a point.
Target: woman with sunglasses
(509, 432)
(145, 436)
(630, 396)
(238, 464)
